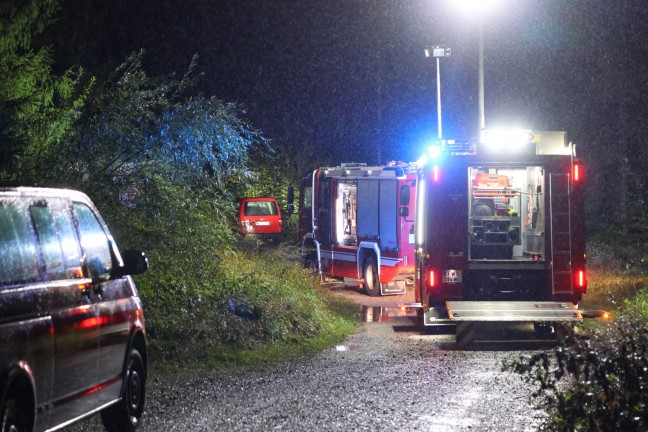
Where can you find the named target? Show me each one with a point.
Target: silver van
(72, 334)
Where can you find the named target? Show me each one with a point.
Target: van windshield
(260, 208)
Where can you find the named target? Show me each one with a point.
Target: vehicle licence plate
(262, 223)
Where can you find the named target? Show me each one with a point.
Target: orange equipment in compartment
(490, 181)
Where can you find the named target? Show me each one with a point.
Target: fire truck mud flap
(394, 287)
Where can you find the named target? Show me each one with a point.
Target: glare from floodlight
(476, 6)
(506, 138)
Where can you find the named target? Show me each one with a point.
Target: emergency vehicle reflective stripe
(351, 257)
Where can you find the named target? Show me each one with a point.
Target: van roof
(42, 192)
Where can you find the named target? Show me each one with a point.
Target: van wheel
(13, 419)
(371, 280)
(127, 414)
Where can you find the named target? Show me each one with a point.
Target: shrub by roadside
(596, 379)
(597, 383)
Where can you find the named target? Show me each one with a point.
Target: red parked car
(260, 217)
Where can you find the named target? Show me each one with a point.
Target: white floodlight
(506, 138)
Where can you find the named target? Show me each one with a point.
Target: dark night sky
(349, 76)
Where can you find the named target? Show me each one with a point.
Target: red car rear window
(260, 208)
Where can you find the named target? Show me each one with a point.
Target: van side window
(49, 242)
(18, 257)
(94, 242)
(69, 243)
(58, 243)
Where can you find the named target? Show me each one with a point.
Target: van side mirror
(135, 262)
(290, 209)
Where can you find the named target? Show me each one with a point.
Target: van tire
(371, 279)
(13, 419)
(126, 415)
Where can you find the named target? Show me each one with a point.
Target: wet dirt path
(390, 376)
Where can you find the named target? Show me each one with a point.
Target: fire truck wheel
(371, 280)
(311, 265)
(544, 330)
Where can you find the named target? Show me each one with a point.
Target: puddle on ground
(383, 313)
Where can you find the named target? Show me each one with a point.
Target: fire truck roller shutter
(388, 215)
(367, 208)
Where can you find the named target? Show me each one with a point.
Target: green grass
(608, 289)
(191, 321)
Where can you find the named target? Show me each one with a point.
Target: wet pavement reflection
(385, 314)
(489, 336)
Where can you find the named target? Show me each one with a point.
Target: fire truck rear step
(502, 311)
(513, 311)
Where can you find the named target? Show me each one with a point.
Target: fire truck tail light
(581, 279)
(431, 279)
(435, 173)
(577, 172)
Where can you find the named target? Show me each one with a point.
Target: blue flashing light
(434, 151)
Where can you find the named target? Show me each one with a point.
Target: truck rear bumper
(502, 311)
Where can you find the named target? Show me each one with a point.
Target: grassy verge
(246, 307)
(609, 288)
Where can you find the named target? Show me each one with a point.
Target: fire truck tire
(544, 330)
(311, 265)
(371, 280)
(310, 259)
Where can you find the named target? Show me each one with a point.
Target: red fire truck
(357, 222)
(499, 231)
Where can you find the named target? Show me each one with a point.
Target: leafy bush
(598, 382)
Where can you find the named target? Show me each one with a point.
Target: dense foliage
(164, 164)
(36, 107)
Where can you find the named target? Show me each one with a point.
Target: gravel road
(389, 376)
